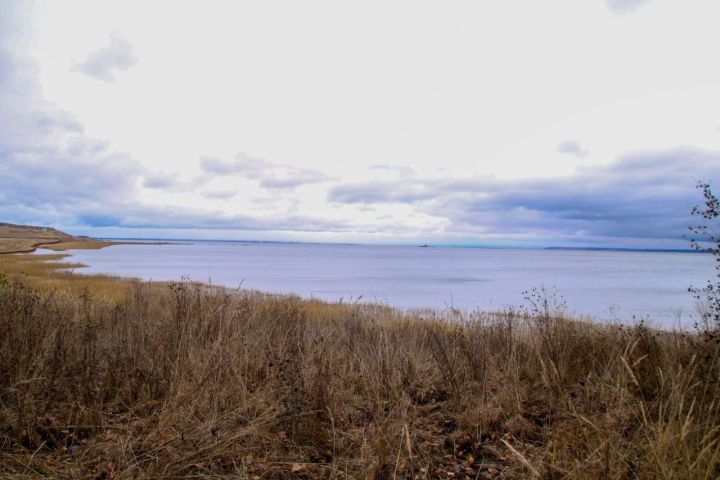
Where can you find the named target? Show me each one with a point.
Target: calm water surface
(602, 284)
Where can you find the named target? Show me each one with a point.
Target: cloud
(78, 172)
(48, 167)
(56, 185)
(219, 194)
(643, 195)
(172, 183)
(52, 174)
(270, 175)
(404, 191)
(27, 122)
(99, 219)
(402, 169)
(156, 217)
(161, 181)
(381, 192)
(621, 7)
(104, 63)
(572, 147)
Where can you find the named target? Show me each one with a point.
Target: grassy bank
(53, 271)
(108, 378)
(27, 238)
(19, 242)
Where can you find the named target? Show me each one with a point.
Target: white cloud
(104, 63)
(625, 6)
(572, 147)
(219, 194)
(271, 175)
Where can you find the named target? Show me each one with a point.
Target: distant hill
(24, 238)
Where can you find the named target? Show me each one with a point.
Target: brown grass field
(109, 378)
(21, 238)
(26, 239)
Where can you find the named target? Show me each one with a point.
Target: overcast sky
(493, 123)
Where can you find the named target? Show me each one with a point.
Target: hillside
(24, 238)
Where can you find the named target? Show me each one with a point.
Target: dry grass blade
(521, 457)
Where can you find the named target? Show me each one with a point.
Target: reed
(180, 380)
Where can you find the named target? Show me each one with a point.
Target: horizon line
(413, 244)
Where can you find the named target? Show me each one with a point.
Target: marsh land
(104, 377)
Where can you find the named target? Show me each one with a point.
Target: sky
(514, 123)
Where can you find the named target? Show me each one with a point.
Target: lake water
(602, 284)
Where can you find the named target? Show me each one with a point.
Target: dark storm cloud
(270, 175)
(104, 63)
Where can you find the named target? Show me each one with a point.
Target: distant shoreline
(619, 249)
(63, 245)
(28, 238)
(408, 245)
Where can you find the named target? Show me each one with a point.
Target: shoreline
(208, 374)
(16, 239)
(64, 245)
(56, 263)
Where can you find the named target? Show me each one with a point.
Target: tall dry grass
(188, 380)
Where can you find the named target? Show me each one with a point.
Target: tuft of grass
(179, 380)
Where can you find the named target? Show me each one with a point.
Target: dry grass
(21, 238)
(81, 245)
(187, 380)
(18, 242)
(52, 271)
(25, 239)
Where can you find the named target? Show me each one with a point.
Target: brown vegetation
(52, 271)
(25, 239)
(17, 260)
(188, 380)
